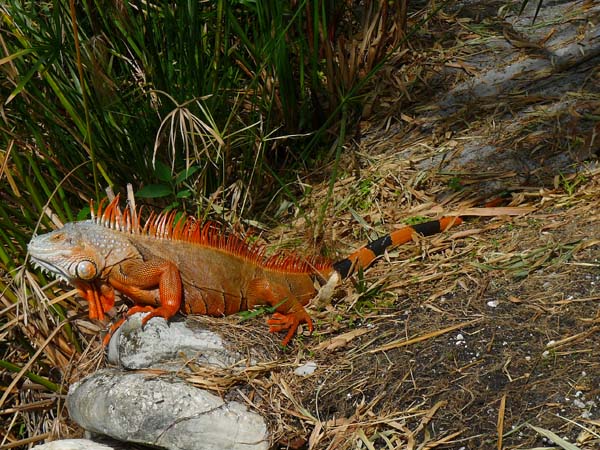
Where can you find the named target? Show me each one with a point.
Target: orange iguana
(166, 265)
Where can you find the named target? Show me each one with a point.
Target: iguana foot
(152, 312)
(100, 297)
(165, 312)
(149, 309)
(290, 312)
(290, 322)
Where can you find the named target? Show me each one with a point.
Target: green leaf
(184, 194)
(185, 174)
(32, 376)
(23, 82)
(163, 172)
(154, 191)
(84, 213)
(15, 55)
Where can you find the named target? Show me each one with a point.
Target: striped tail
(364, 257)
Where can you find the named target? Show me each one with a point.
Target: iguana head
(83, 253)
(68, 253)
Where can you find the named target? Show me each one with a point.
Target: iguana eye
(86, 270)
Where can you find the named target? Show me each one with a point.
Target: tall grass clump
(210, 106)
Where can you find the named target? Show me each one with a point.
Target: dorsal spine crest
(186, 228)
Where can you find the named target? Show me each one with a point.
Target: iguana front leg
(139, 279)
(100, 296)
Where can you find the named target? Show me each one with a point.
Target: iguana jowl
(166, 265)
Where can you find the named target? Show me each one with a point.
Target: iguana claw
(290, 322)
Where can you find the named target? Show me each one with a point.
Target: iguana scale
(168, 264)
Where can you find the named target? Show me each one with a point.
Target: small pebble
(306, 369)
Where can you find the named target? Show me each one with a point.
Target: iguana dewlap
(167, 265)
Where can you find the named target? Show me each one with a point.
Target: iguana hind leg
(290, 313)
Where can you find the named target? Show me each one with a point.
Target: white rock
(123, 405)
(167, 345)
(306, 369)
(72, 444)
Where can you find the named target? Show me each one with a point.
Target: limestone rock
(72, 444)
(167, 345)
(164, 412)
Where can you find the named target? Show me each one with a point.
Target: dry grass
(459, 340)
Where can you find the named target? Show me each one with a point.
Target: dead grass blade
(586, 429)
(442, 441)
(494, 212)
(500, 426)
(25, 442)
(364, 439)
(574, 338)
(429, 415)
(554, 438)
(433, 334)
(342, 340)
(220, 380)
(301, 411)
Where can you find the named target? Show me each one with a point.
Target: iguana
(170, 263)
